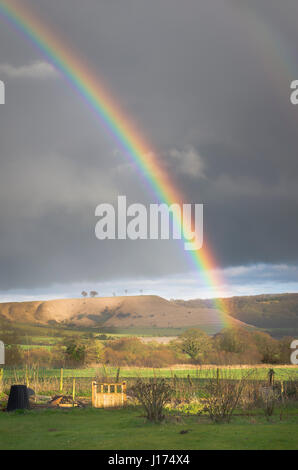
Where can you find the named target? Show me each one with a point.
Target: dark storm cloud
(206, 82)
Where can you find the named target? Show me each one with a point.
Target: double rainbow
(89, 87)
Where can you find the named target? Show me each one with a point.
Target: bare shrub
(269, 397)
(222, 398)
(153, 396)
(250, 395)
(291, 390)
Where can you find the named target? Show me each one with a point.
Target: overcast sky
(208, 84)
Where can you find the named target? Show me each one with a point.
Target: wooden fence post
(94, 393)
(1, 379)
(61, 380)
(124, 393)
(73, 389)
(27, 378)
(105, 376)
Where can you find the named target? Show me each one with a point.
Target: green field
(28, 347)
(281, 373)
(57, 331)
(127, 429)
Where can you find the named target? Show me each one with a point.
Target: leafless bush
(269, 397)
(291, 390)
(153, 395)
(222, 398)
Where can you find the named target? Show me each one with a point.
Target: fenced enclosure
(108, 395)
(188, 384)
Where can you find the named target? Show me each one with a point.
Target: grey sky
(208, 83)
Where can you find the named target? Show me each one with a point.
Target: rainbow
(128, 138)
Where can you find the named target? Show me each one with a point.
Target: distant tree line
(94, 293)
(194, 346)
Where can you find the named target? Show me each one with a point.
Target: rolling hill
(143, 311)
(277, 313)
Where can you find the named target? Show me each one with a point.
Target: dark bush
(152, 395)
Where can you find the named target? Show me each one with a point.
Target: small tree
(84, 293)
(93, 293)
(94, 352)
(194, 342)
(152, 395)
(75, 351)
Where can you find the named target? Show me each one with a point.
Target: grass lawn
(126, 429)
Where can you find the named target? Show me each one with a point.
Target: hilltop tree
(84, 293)
(93, 293)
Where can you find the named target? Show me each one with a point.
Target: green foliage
(75, 351)
(251, 347)
(193, 408)
(79, 351)
(195, 343)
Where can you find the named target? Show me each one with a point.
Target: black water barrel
(18, 398)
